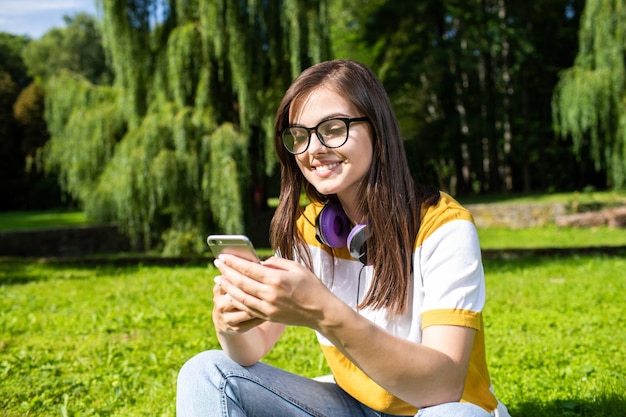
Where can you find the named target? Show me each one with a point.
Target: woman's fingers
(239, 299)
(228, 314)
(278, 290)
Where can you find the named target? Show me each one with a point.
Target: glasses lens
(334, 132)
(295, 139)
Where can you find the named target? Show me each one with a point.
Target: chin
(325, 190)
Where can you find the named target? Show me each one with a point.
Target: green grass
(550, 237)
(77, 340)
(18, 220)
(556, 335)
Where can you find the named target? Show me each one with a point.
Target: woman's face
(338, 170)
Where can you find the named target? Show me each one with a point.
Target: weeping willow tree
(172, 148)
(589, 102)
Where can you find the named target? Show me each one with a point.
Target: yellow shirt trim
(452, 317)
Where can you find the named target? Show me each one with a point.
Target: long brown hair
(388, 196)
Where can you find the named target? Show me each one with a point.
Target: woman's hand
(227, 318)
(278, 290)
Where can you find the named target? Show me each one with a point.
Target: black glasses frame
(310, 130)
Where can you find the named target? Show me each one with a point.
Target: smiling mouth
(327, 167)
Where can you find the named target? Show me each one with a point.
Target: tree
(37, 191)
(77, 48)
(471, 83)
(11, 61)
(175, 147)
(28, 113)
(13, 78)
(9, 146)
(589, 102)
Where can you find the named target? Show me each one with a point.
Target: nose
(315, 144)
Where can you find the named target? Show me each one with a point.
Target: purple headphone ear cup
(357, 242)
(332, 226)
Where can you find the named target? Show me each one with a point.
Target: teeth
(327, 167)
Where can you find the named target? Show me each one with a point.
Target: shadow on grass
(609, 406)
(20, 271)
(546, 253)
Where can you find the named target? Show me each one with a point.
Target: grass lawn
(550, 237)
(17, 220)
(108, 341)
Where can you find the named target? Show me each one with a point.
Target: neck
(351, 210)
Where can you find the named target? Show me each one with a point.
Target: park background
(156, 117)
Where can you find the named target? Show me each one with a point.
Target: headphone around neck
(332, 228)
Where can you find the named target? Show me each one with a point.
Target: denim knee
(198, 390)
(204, 367)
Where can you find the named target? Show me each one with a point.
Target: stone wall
(515, 216)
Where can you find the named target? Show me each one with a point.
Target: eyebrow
(329, 116)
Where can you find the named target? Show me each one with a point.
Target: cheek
(301, 162)
(365, 156)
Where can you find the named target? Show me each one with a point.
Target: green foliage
(126, 38)
(11, 61)
(590, 100)
(76, 48)
(349, 21)
(164, 152)
(77, 340)
(550, 237)
(469, 82)
(227, 147)
(10, 149)
(28, 111)
(84, 125)
(8, 94)
(184, 63)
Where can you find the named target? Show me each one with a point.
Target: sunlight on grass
(555, 330)
(550, 237)
(109, 340)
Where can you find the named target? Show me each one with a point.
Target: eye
(333, 128)
(299, 135)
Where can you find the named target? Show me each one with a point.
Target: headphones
(332, 228)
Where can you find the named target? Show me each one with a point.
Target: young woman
(387, 272)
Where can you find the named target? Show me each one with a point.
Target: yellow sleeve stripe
(452, 317)
(446, 210)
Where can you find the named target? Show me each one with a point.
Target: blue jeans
(212, 385)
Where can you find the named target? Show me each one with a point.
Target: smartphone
(238, 245)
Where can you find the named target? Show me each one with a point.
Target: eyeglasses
(332, 133)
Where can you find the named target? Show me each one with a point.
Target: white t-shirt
(448, 288)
